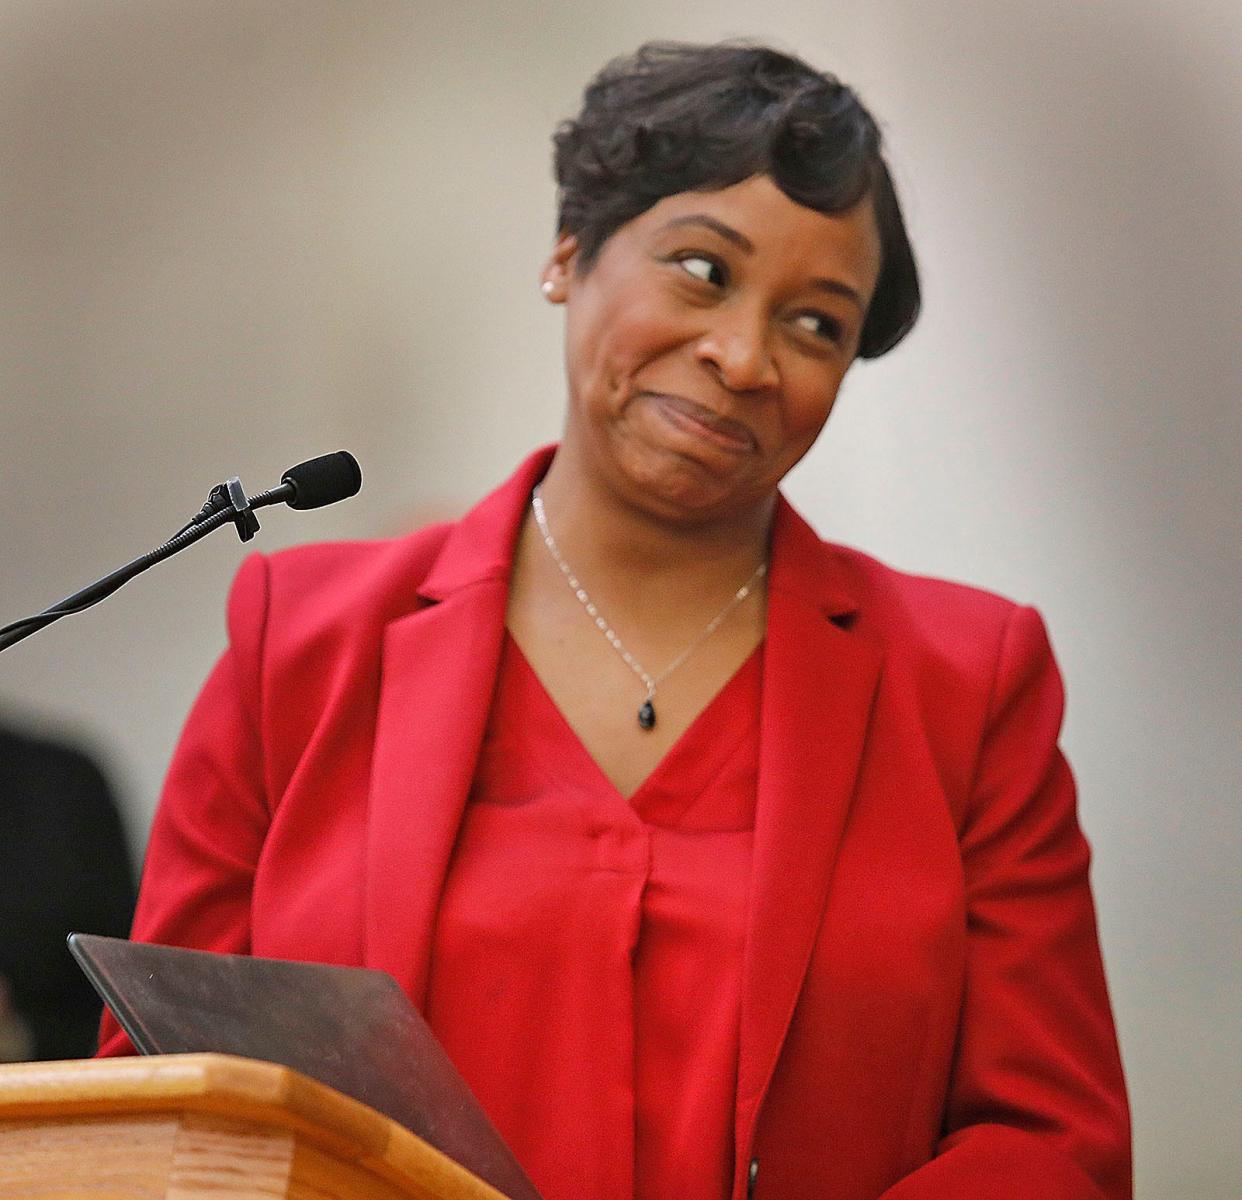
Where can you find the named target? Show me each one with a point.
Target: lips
(699, 421)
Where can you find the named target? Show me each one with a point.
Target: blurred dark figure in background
(64, 867)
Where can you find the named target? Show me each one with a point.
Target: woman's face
(706, 343)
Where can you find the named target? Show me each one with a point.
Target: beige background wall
(235, 234)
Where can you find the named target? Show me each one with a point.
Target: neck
(610, 541)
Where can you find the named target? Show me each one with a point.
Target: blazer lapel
(438, 675)
(820, 679)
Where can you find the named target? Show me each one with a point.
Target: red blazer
(924, 1012)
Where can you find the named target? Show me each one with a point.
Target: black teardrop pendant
(646, 715)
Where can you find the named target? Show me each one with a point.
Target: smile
(700, 422)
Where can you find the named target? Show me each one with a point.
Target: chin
(682, 490)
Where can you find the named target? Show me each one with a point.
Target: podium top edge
(226, 1086)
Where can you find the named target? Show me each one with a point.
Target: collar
(481, 547)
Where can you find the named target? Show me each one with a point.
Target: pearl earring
(547, 287)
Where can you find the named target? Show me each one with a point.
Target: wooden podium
(185, 1126)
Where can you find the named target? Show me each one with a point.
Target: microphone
(316, 482)
(311, 484)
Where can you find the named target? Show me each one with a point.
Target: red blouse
(586, 969)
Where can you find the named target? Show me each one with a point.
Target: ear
(558, 271)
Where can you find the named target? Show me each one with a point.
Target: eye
(706, 269)
(820, 324)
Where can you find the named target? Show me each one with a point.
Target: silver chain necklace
(646, 713)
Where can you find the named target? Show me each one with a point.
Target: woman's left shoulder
(930, 618)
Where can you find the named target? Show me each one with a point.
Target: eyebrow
(740, 240)
(833, 287)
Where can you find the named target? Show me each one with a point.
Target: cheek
(609, 348)
(808, 406)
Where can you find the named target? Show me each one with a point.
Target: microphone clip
(231, 495)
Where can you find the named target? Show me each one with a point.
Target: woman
(719, 858)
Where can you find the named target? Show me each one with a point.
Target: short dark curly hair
(676, 117)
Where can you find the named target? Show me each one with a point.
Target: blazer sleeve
(1037, 1106)
(213, 813)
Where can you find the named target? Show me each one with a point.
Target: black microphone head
(323, 480)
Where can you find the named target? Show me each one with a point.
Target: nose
(736, 348)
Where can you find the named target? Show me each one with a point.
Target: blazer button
(751, 1176)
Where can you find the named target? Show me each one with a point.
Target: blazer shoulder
(952, 654)
(927, 600)
(953, 633)
(331, 590)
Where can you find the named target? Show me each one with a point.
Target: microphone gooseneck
(311, 484)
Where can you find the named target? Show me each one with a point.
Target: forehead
(779, 234)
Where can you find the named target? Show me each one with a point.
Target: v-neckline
(684, 762)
